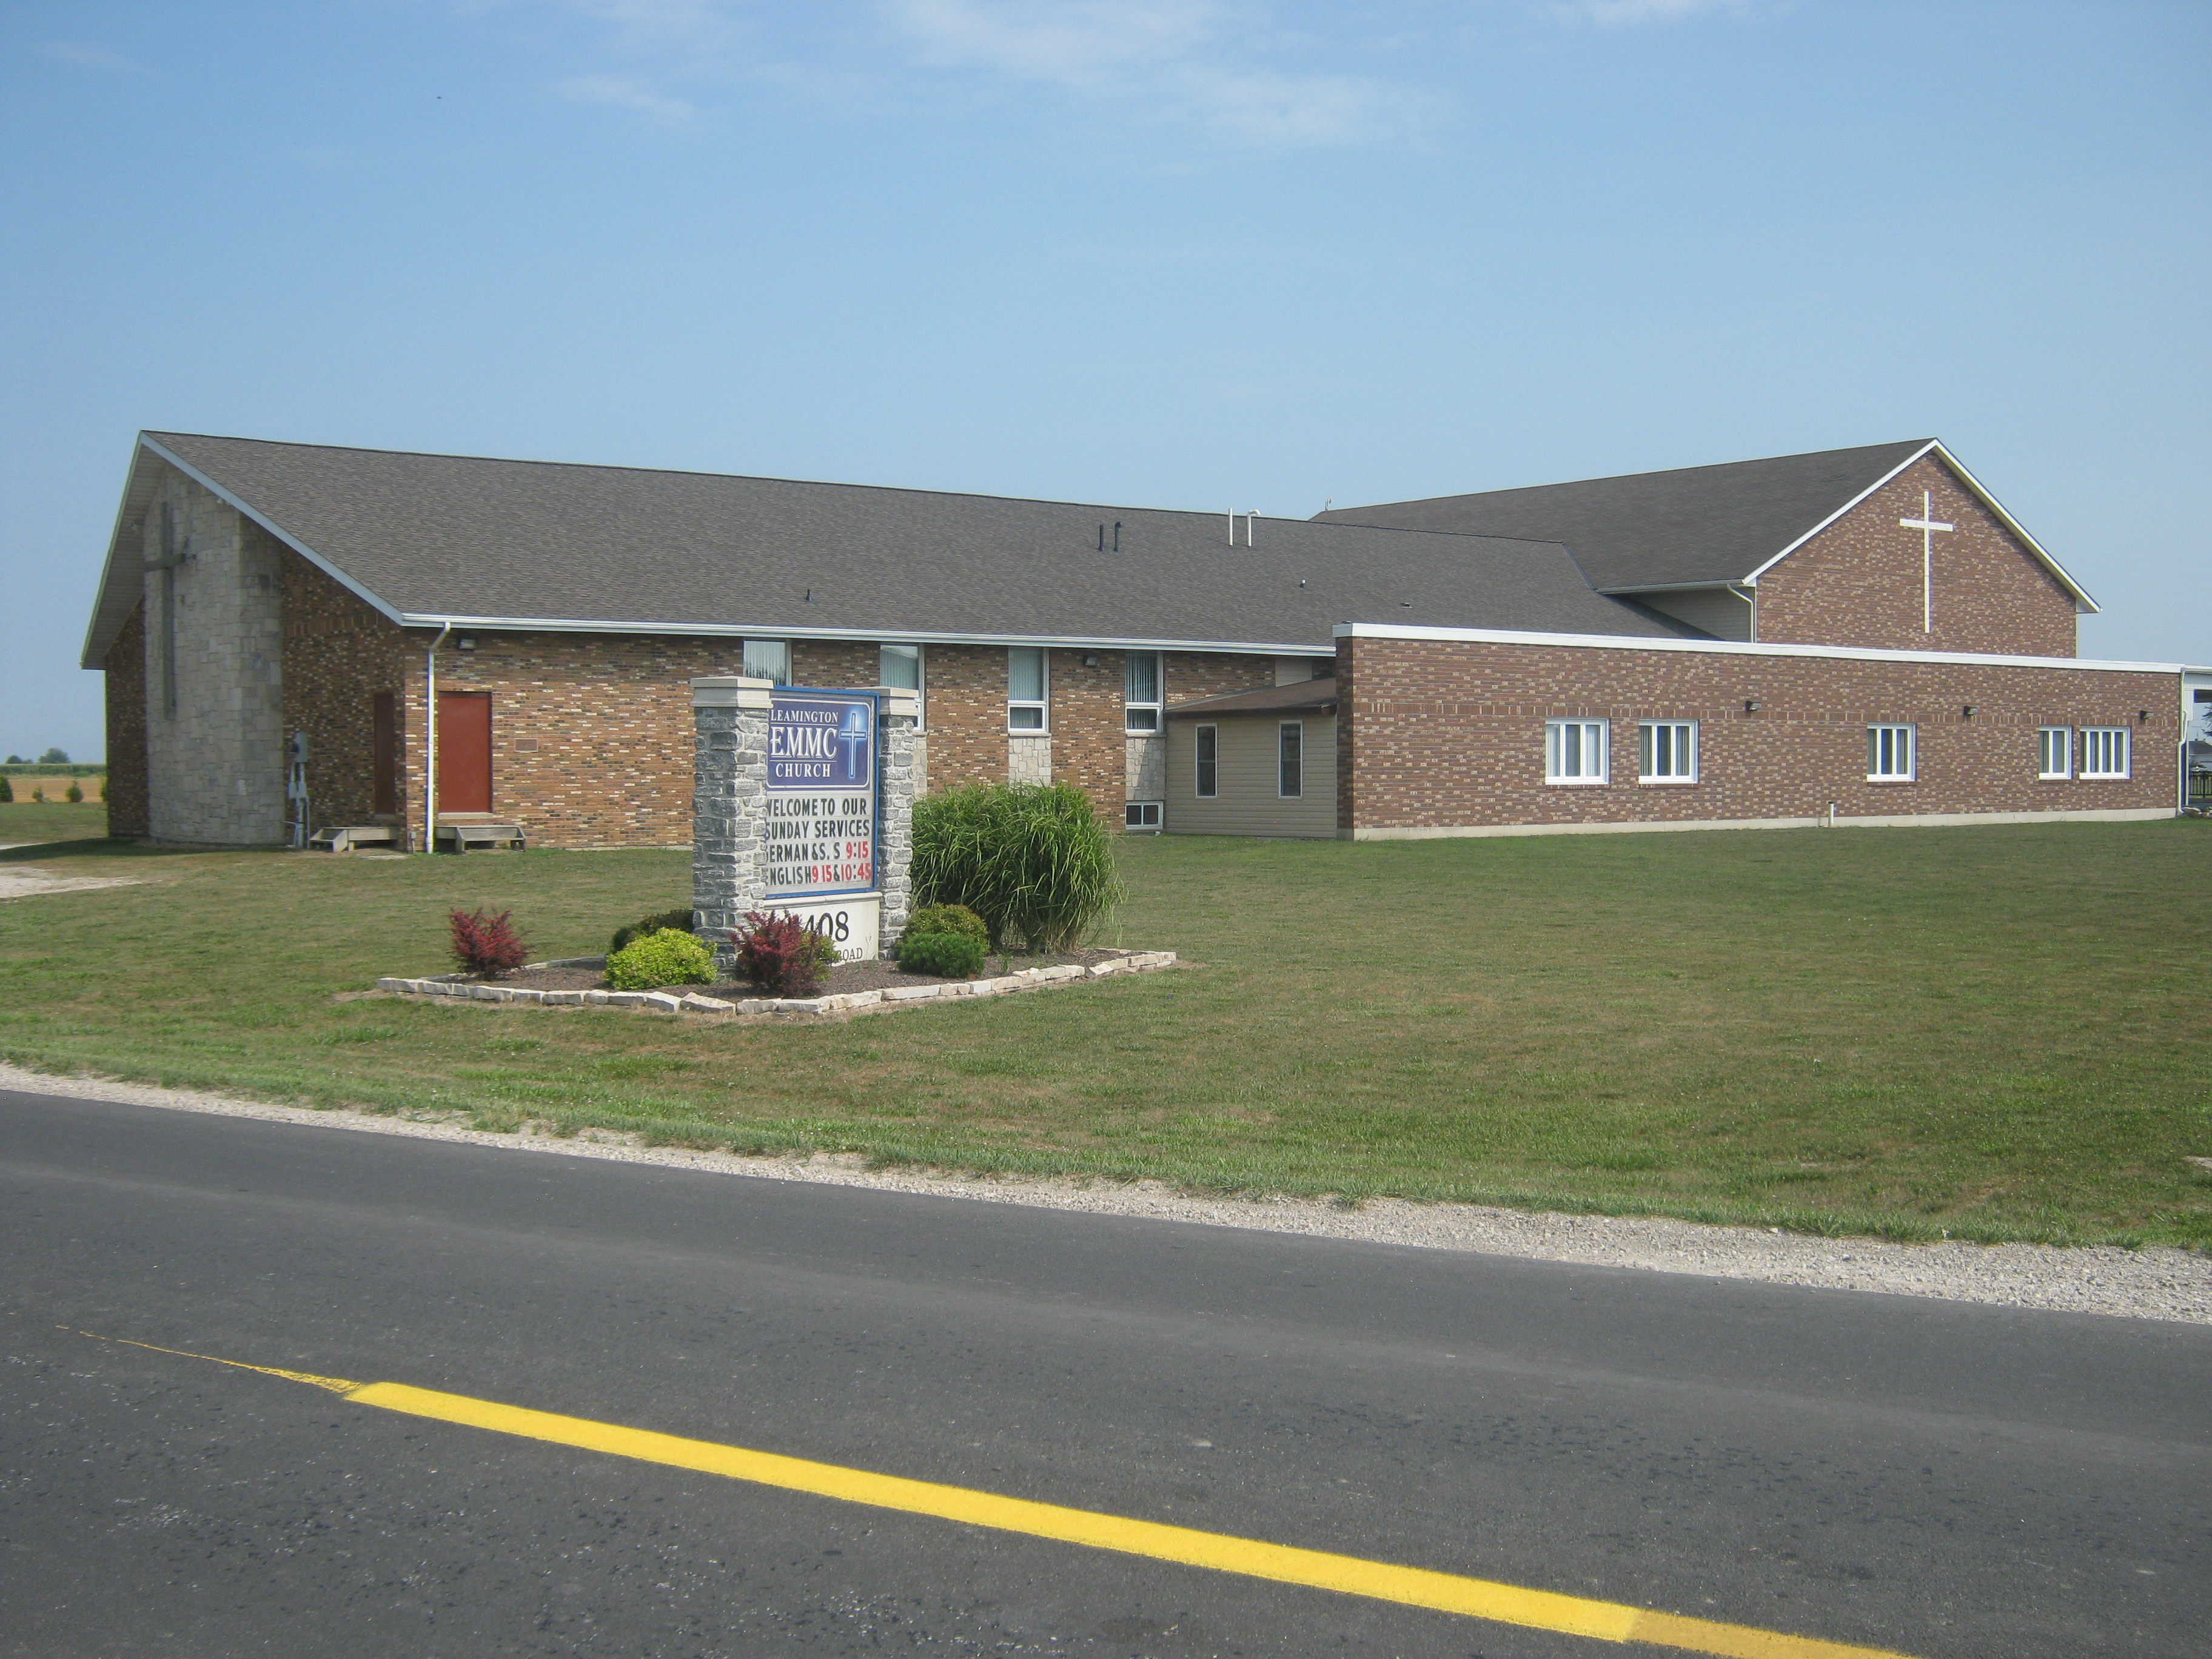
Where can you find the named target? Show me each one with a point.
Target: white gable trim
(1736, 648)
(2082, 602)
(242, 505)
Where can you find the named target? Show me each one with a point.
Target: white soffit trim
(275, 529)
(1737, 648)
(871, 635)
(1935, 446)
(135, 491)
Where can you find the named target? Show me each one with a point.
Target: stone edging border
(690, 1002)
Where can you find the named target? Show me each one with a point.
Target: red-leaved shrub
(780, 955)
(486, 944)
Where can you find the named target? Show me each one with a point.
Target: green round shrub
(667, 958)
(678, 919)
(948, 918)
(955, 956)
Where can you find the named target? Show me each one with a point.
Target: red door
(464, 751)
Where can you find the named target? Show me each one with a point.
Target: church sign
(820, 832)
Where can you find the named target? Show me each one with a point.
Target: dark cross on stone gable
(175, 552)
(1927, 523)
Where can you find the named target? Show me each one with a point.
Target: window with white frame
(899, 666)
(1208, 752)
(1291, 759)
(1141, 815)
(1666, 751)
(1141, 697)
(1025, 688)
(2104, 752)
(2054, 752)
(768, 659)
(1890, 757)
(1575, 751)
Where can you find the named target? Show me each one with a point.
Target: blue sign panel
(821, 829)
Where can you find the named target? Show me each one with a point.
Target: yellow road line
(1444, 1592)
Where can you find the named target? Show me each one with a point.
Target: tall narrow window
(384, 753)
(1575, 751)
(1209, 762)
(2104, 752)
(2054, 752)
(1291, 760)
(1890, 758)
(1025, 688)
(768, 659)
(1141, 698)
(1666, 751)
(899, 666)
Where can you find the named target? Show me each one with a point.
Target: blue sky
(1164, 253)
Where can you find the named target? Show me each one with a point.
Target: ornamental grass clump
(1031, 860)
(782, 954)
(485, 944)
(666, 957)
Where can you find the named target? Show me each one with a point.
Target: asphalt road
(1943, 1479)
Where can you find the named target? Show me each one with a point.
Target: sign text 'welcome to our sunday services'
(821, 829)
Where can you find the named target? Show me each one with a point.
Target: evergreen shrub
(487, 945)
(947, 919)
(667, 957)
(954, 956)
(6, 789)
(1032, 859)
(75, 793)
(659, 922)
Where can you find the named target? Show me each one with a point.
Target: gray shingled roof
(433, 537)
(1649, 530)
(1319, 694)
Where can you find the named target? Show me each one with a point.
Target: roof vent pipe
(1117, 535)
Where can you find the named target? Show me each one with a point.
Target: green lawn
(2000, 1032)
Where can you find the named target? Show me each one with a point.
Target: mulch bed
(845, 977)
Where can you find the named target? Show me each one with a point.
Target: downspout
(1749, 594)
(430, 742)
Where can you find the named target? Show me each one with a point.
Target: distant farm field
(2002, 1032)
(54, 785)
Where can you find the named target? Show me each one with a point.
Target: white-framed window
(1141, 815)
(1207, 749)
(2104, 751)
(2054, 752)
(1891, 756)
(1291, 759)
(899, 666)
(1575, 751)
(768, 659)
(1141, 697)
(1666, 751)
(1026, 689)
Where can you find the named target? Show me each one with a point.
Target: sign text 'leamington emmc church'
(821, 830)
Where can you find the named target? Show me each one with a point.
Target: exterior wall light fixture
(1750, 705)
(466, 642)
(1966, 712)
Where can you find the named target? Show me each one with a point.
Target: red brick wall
(839, 664)
(337, 654)
(964, 714)
(1090, 747)
(1192, 674)
(125, 691)
(1441, 733)
(591, 733)
(1858, 582)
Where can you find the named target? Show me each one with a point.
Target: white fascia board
(390, 612)
(133, 487)
(1736, 648)
(2083, 603)
(892, 636)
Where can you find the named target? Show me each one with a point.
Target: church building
(298, 638)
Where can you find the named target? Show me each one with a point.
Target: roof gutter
(767, 631)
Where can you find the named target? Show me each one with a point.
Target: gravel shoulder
(2160, 1283)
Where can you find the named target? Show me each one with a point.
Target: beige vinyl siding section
(1247, 804)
